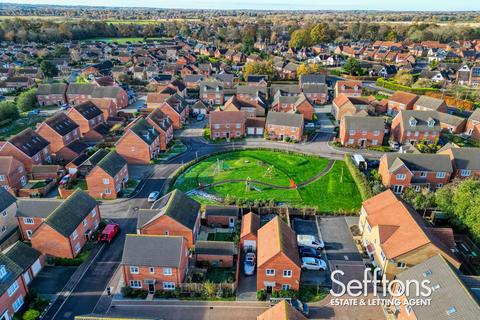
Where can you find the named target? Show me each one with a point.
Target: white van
(359, 161)
(309, 241)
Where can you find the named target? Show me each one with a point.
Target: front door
(151, 288)
(363, 143)
(268, 289)
(228, 135)
(231, 222)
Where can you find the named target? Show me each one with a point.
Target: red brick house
(216, 254)
(115, 94)
(362, 131)
(163, 125)
(13, 289)
(65, 231)
(174, 214)
(248, 232)
(278, 262)
(420, 170)
(401, 101)
(139, 144)
(282, 126)
(51, 94)
(465, 161)
(473, 125)
(294, 104)
(12, 174)
(108, 177)
(225, 216)
(156, 100)
(79, 92)
(31, 261)
(316, 93)
(251, 108)
(349, 88)
(154, 262)
(350, 106)
(227, 124)
(90, 120)
(212, 92)
(28, 147)
(281, 310)
(426, 103)
(176, 108)
(31, 213)
(64, 136)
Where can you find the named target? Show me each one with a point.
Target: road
(85, 296)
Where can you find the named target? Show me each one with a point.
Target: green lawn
(334, 192)
(220, 236)
(219, 275)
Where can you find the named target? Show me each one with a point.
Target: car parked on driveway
(309, 263)
(309, 252)
(200, 117)
(307, 240)
(249, 264)
(153, 196)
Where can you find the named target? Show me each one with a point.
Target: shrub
(209, 289)
(31, 314)
(129, 292)
(359, 178)
(261, 295)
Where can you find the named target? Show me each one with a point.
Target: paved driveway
(247, 285)
(52, 280)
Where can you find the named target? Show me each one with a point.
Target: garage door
(36, 267)
(259, 131)
(249, 245)
(251, 131)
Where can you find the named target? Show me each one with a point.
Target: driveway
(310, 277)
(51, 280)
(194, 129)
(247, 285)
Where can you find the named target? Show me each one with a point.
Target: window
(376, 133)
(2, 177)
(364, 132)
(169, 285)
(401, 265)
(94, 212)
(135, 284)
(106, 181)
(84, 222)
(217, 126)
(17, 304)
(77, 248)
(423, 174)
(14, 287)
(418, 188)
(107, 191)
(134, 270)
(28, 221)
(3, 272)
(4, 229)
(287, 273)
(439, 185)
(270, 272)
(4, 213)
(239, 125)
(75, 235)
(441, 175)
(401, 176)
(167, 271)
(286, 287)
(375, 142)
(152, 270)
(29, 234)
(351, 141)
(352, 131)
(465, 173)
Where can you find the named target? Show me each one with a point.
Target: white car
(309, 125)
(307, 240)
(153, 196)
(309, 263)
(249, 264)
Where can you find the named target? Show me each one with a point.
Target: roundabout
(256, 177)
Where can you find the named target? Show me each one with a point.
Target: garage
(259, 131)
(255, 126)
(249, 245)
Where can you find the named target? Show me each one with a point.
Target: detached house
(63, 134)
(282, 310)
(12, 174)
(90, 120)
(174, 214)
(349, 88)
(212, 92)
(401, 101)
(251, 108)
(278, 262)
(176, 108)
(163, 125)
(420, 170)
(66, 230)
(28, 147)
(154, 263)
(227, 124)
(350, 106)
(396, 238)
(426, 103)
(362, 131)
(280, 125)
(294, 104)
(465, 161)
(139, 144)
(51, 94)
(108, 177)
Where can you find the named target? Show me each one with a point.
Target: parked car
(249, 264)
(394, 145)
(200, 117)
(359, 161)
(110, 231)
(309, 252)
(153, 196)
(34, 112)
(297, 304)
(307, 240)
(309, 263)
(310, 125)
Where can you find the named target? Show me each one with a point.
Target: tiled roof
(285, 119)
(112, 163)
(29, 142)
(61, 123)
(23, 255)
(219, 248)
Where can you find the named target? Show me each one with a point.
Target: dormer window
(413, 122)
(430, 122)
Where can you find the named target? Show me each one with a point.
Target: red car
(110, 231)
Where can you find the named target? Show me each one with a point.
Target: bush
(31, 314)
(209, 289)
(27, 100)
(285, 294)
(261, 295)
(359, 178)
(129, 292)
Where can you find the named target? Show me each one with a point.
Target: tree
(261, 67)
(49, 70)
(27, 100)
(419, 200)
(31, 314)
(247, 44)
(423, 83)
(300, 38)
(461, 201)
(310, 68)
(404, 78)
(319, 33)
(352, 67)
(8, 111)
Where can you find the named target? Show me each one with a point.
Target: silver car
(153, 196)
(249, 264)
(309, 263)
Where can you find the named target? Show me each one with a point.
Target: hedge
(359, 178)
(395, 86)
